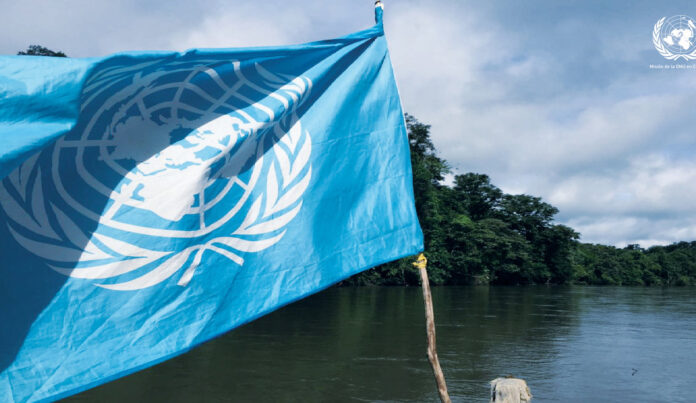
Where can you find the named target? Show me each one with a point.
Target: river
(571, 344)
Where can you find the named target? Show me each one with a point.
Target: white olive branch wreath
(71, 252)
(23, 201)
(662, 50)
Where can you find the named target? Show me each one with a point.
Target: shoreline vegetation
(475, 234)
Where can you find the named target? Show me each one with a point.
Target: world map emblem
(170, 161)
(675, 37)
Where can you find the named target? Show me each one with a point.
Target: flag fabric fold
(151, 201)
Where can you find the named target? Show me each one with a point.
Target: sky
(549, 98)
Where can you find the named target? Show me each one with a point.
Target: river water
(579, 344)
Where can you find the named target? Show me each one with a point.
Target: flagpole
(427, 296)
(379, 9)
(421, 264)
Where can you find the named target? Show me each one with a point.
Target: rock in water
(510, 390)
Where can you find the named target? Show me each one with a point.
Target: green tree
(431, 197)
(559, 243)
(528, 215)
(428, 173)
(503, 255)
(37, 50)
(477, 234)
(476, 195)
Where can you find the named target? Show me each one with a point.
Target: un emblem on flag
(675, 37)
(170, 162)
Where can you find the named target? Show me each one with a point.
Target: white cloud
(538, 102)
(650, 184)
(85, 28)
(228, 30)
(501, 106)
(272, 23)
(633, 230)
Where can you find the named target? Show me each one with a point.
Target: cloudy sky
(549, 98)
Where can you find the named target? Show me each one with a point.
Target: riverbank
(671, 265)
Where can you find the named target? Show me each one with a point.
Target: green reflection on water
(368, 344)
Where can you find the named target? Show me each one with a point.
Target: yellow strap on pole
(421, 264)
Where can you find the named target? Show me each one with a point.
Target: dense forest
(476, 234)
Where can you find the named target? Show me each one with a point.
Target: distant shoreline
(477, 234)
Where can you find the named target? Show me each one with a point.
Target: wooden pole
(421, 263)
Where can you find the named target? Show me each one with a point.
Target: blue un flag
(152, 201)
